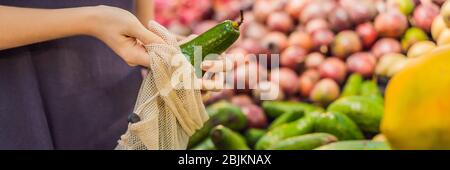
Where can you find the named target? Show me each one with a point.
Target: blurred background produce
(336, 58)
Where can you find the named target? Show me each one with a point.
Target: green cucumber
(337, 124)
(363, 110)
(356, 145)
(220, 114)
(276, 108)
(252, 135)
(226, 139)
(214, 41)
(299, 127)
(206, 144)
(304, 142)
(214, 108)
(200, 135)
(285, 118)
(353, 85)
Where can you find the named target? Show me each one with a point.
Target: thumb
(145, 36)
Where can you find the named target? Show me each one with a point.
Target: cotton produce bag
(169, 108)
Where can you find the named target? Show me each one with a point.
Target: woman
(62, 88)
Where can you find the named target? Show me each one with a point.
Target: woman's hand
(123, 33)
(118, 28)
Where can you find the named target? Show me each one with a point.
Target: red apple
(241, 100)
(300, 39)
(254, 30)
(280, 21)
(314, 60)
(363, 63)
(295, 7)
(287, 78)
(391, 24)
(263, 8)
(325, 92)
(307, 81)
(367, 33)
(385, 46)
(424, 15)
(339, 19)
(316, 24)
(322, 39)
(346, 43)
(333, 68)
(252, 46)
(255, 116)
(360, 11)
(275, 41)
(317, 9)
(292, 57)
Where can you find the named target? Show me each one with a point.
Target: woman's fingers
(136, 54)
(145, 36)
(133, 53)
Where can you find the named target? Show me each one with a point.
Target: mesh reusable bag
(170, 110)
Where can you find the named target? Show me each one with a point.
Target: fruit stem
(241, 18)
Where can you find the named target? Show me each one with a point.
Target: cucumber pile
(348, 123)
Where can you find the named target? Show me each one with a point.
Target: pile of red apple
(320, 42)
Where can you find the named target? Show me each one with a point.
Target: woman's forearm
(145, 11)
(116, 27)
(23, 26)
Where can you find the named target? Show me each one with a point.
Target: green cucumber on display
(222, 113)
(276, 108)
(356, 145)
(206, 144)
(337, 124)
(285, 118)
(304, 142)
(252, 135)
(363, 110)
(226, 139)
(299, 127)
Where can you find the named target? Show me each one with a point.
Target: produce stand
(344, 68)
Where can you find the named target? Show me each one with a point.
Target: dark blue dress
(71, 93)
